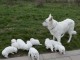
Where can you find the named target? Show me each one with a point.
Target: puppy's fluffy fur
(14, 43)
(58, 29)
(48, 44)
(55, 42)
(61, 48)
(21, 44)
(28, 45)
(9, 50)
(33, 53)
(35, 41)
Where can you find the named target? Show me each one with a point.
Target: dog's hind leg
(70, 36)
(53, 38)
(29, 56)
(32, 57)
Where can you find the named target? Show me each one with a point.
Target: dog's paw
(7, 57)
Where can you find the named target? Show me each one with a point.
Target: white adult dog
(35, 41)
(9, 50)
(58, 29)
(33, 53)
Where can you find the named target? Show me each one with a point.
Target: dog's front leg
(29, 56)
(53, 38)
(6, 56)
(58, 38)
(32, 57)
(37, 56)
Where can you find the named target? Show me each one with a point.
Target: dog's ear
(50, 15)
(51, 18)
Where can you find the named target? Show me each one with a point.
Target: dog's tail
(74, 32)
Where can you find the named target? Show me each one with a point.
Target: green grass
(24, 20)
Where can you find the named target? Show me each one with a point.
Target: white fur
(14, 43)
(33, 53)
(9, 50)
(20, 43)
(48, 44)
(35, 41)
(61, 48)
(28, 45)
(13, 40)
(55, 42)
(58, 29)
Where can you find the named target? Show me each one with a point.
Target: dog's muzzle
(44, 24)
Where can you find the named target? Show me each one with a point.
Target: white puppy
(33, 53)
(61, 48)
(58, 29)
(9, 50)
(21, 44)
(48, 44)
(28, 45)
(55, 42)
(35, 41)
(20, 41)
(14, 43)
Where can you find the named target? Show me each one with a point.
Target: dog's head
(13, 40)
(47, 21)
(47, 39)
